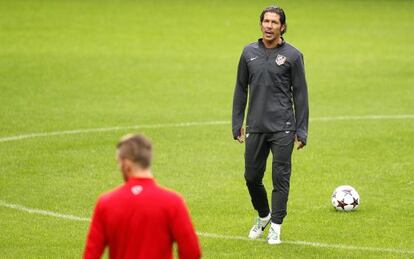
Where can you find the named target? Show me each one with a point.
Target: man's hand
(299, 143)
(241, 137)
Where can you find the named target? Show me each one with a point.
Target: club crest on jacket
(137, 189)
(280, 60)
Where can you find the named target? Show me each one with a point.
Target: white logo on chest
(280, 60)
(137, 189)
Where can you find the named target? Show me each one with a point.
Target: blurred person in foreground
(271, 72)
(140, 219)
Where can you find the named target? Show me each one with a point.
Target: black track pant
(258, 146)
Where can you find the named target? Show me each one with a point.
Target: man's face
(271, 27)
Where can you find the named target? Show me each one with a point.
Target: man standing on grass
(140, 219)
(271, 72)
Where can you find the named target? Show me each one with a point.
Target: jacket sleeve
(96, 241)
(183, 233)
(240, 97)
(300, 99)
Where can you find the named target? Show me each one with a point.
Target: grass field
(68, 65)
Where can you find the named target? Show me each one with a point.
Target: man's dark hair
(136, 148)
(276, 10)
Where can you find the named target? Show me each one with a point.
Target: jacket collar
(261, 44)
(141, 180)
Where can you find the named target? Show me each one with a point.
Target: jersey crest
(280, 60)
(137, 189)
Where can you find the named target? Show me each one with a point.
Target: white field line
(314, 244)
(41, 212)
(106, 129)
(189, 124)
(217, 236)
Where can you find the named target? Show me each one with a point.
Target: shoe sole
(254, 238)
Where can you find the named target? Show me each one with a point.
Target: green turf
(88, 64)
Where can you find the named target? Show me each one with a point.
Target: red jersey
(141, 220)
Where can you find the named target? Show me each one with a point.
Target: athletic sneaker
(258, 228)
(273, 237)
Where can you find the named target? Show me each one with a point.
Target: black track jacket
(278, 95)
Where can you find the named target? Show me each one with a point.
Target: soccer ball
(345, 198)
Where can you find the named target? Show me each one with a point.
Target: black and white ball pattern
(345, 198)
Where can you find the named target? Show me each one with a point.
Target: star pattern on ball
(355, 203)
(341, 204)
